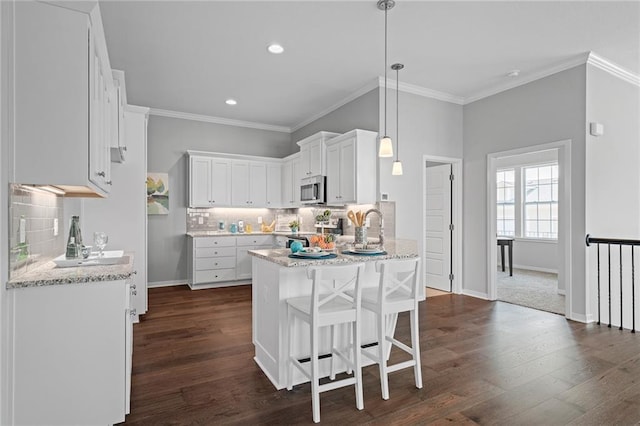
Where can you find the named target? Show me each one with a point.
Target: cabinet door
(220, 182)
(240, 183)
(243, 263)
(296, 176)
(315, 158)
(348, 171)
(333, 174)
(305, 160)
(257, 185)
(199, 182)
(274, 185)
(287, 187)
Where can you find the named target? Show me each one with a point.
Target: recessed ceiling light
(513, 73)
(231, 102)
(275, 48)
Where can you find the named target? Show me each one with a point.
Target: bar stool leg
(289, 346)
(315, 372)
(382, 354)
(357, 359)
(332, 374)
(415, 345)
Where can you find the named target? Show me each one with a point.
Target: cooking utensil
(359, 218)
(352, 217)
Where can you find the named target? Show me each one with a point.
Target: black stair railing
(620, 243)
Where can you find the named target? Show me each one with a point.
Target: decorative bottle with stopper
(74, 242)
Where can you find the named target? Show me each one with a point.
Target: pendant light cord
(385, 70)
(397, 114)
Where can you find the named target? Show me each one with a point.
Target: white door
(437, 238)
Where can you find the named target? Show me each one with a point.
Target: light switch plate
(55, 227)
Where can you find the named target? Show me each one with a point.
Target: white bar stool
(330, 304)
(397, 292)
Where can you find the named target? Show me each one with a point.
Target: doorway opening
(442, 224)
(529, 214)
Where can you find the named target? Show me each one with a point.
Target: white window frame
(554, 184)
(500, 205)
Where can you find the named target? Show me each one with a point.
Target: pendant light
(386, 146)
(397, 165)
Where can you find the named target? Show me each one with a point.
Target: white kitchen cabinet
(243, 258)
(248, 184)
(312, 154)
(71, 353)
(351, 169)
(62, 84)
(118, 140)
(209, 181)
(274, 185)
(123, 216)
(291, 181)
(220, 261)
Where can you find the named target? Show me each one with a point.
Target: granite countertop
(197, 234)
(396, 249)
(50, 274)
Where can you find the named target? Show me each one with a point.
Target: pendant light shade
(386, 145)
(397, 165)
(397, 168)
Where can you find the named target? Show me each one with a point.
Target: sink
(111, 257)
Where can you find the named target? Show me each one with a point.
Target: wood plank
(482, 362)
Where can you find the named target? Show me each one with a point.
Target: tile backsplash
(39, 211)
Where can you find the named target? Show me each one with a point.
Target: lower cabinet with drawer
(220, 261)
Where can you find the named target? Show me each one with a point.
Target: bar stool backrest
(335, 285)
(398, 282)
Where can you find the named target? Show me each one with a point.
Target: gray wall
(361, 113)
(427, 127)
(613, 177)
(168, 140)
(546, 110)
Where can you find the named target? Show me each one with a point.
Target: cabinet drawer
(255, 240)
(216, 251)
(204, 263)
(215, 242)
(215, 275)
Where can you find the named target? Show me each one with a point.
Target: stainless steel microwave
(312, 190)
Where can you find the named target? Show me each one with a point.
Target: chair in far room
(334, 300)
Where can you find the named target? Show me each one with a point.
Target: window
(541, 201)
(506, 212)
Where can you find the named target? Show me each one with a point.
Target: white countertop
(395, 249)
(50, 274)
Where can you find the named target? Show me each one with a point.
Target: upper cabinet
(291, 181)
(218, 181)
(209, 182)
(351, 168)
(65, 98)
(312, 154)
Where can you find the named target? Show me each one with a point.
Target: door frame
(564, 217)
(456, 212)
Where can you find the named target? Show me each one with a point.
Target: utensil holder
(361, 235)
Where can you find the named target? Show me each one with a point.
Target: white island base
(272, 285)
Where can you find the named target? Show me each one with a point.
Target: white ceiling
(191, 56)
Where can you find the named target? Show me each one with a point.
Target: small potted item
(294, 225)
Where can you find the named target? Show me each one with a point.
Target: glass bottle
(74, 242)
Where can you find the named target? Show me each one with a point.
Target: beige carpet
(537, 290)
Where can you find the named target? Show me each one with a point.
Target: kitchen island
(277, 277)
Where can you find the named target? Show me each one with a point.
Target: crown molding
(613, 69)
(527, 78)
(422, 91)
(361, 91)
(218, 120)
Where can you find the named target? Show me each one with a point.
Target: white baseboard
(581, 317)
(165, 283)
(530, 268)
(475, 294)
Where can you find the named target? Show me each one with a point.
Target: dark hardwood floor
(482, 362)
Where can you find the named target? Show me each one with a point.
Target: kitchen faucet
(381, 236)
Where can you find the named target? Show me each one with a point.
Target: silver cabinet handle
(101, 174)
(133, 286)
(109, 182)
(134, 292)
(133, 312)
